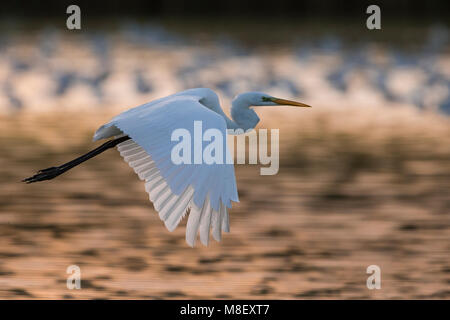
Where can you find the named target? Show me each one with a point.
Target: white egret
(143, 136)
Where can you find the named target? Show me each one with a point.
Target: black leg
(52, 172)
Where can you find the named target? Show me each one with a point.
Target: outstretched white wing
(206, 189)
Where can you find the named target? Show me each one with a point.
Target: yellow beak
(284, 102)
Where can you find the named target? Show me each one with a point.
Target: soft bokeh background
(364, 175)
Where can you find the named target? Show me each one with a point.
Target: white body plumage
(206, 189)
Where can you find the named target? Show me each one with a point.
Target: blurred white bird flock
(143, 136)
(48, 75)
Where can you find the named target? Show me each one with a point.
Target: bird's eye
(265, 99)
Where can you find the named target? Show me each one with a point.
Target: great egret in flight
(143, 138)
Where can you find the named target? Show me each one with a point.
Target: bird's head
(263, 99)
(245, 117)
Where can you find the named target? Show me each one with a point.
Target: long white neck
(242, 117)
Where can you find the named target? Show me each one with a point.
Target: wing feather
(217, 223)
(207, 190)
(225, 219)
(205, 222)
(193, 224)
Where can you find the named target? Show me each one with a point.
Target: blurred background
(364, 175)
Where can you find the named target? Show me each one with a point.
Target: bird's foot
(44, 174)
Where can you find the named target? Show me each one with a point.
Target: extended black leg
(52, 172)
